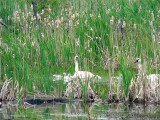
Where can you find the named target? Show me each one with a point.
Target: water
(80, 111)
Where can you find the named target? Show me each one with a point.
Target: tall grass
(38, 48)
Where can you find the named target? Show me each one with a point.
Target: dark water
(79, 111)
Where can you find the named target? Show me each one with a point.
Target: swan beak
(76, 58)
(136, 61)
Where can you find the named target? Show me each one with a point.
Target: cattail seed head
(112, 20)
(49, 9)
(135, 26)
(107, 11)
(16, 14)
(159, 13)
(99, 16)
(152, 16)
(42, 34)
(73, 17)
(0, 20)
(91, 16)
(124, 24)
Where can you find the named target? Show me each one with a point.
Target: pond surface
(79, 111)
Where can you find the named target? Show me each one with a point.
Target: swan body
(153, 76)
(153, 79)
(82, 74)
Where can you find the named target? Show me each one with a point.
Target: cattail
(85, 22)
(32, 44)
(112, 20)
(124, 24)
(0, 20)
(69, 13)
(88, 43)
(91, 29)
(0, 42)
(77, 42)
(13, 55)
(62, 19)
(151, 24)
(159, 36)
(90, 37)
(135, 26)
(49, 9)
(42, 13)
(9, 18)
(107, 11)
(42, 34)
(38, 16)
(34, 18)
(140, 8)
(90, 50)
(152, 16)
(28, 14)
(77, 23)
(52, 22)
(77, 14)
(49, 24)
(16, 14)
(67, 25)
(91, 16)
(73, 17)
(70, 23)
(153, 31)
(31, 6)
(159, 13)
(99, 16)
(45, 20)
(57, 22)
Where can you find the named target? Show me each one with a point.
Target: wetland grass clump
(108, 34)
(127, 76)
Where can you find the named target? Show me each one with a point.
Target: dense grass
(36, 49)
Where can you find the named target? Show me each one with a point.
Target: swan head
(138, 60)
(76, 58)
(139, 65)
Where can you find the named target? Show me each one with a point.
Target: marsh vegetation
(107, 36)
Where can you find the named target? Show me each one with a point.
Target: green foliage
(127, 75)
(39, 48)
(6, 9)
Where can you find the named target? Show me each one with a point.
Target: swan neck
(76, 66)
(140, 71)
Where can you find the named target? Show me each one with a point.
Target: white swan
(153, 79)
(82, 74)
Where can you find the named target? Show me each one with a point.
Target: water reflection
(80, 111)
